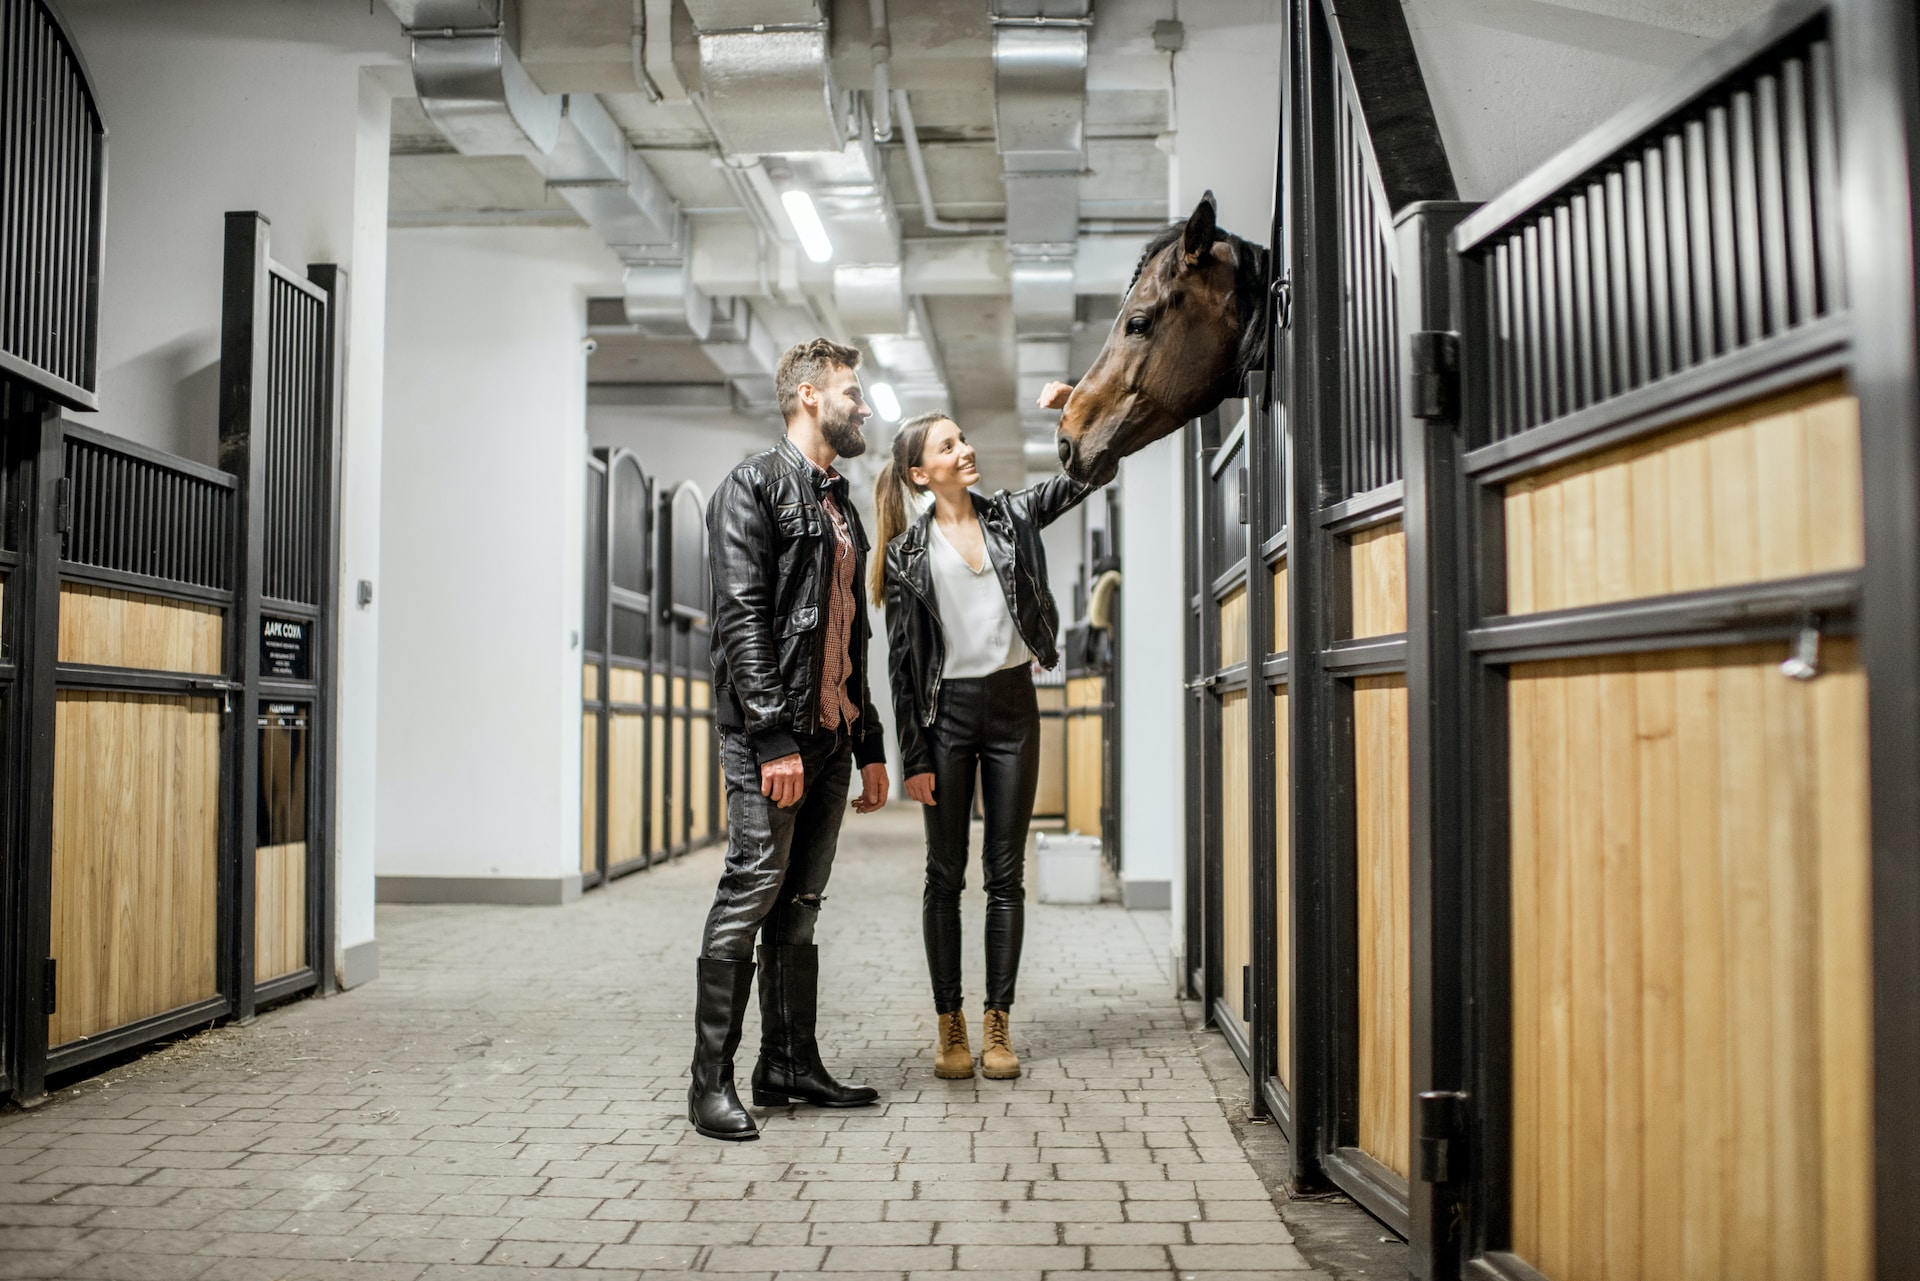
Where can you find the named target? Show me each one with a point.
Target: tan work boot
(952, 1057)
(998, 1062)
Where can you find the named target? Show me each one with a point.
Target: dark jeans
(778, 860)
(992, 724)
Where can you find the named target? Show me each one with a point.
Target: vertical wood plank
(1381, 849)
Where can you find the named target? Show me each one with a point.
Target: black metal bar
(324, 940)
(1382, 1192)
(245, 391)
(1362, 511)
(1373, 656)
(73, 1054)
(1797, 186)
(1877, 47)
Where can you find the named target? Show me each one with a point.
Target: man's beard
(843, 434)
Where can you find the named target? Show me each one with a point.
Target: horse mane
(1250, 265)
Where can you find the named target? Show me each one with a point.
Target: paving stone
(460, 1119)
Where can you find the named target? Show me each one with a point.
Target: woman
(968, 613)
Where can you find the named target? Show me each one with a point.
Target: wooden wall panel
(627, 684)
(1050, 798)
(1084, 747)
(1283, 887)
(1377, 567)
(1385, 917)
(1691, 950)
(626, 786)
(279, 910)
(1236, 891)
(1280, 641)
(136, 829)
(589, 789)
(1233, 627)
(1767, 490)
(590, 682)
(128, 629)
(701, 765)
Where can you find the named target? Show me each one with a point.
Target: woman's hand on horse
(920, 787)
(1054, 395)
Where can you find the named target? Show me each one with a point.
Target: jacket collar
(824, 483)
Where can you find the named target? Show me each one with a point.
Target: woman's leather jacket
(916, 646)
(770, 550)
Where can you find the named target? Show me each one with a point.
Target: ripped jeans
(778, 860)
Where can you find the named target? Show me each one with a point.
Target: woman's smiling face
(946, 459)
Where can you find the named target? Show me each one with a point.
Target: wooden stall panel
(1767, 490)
(1233, 627)
(1283, 888)
(136, 833)
(1280, 641)
(1385, 917)
(1084, 755)
(590, 682)
(627, 685)
(113, 628)
(1050, 798)
(1236, 890)
(1377, 566)
(1692, 1011)
(626, 787)
(279, 910)
(700, 763)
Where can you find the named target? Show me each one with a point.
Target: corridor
(508, 1101)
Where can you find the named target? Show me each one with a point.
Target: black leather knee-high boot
(720, 1007)
(789, 1070)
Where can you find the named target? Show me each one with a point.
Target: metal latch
(1804, 663)
(62, 505)
(1441, 1120)
(1283, 302)
(1243, 513)
(1433, 373)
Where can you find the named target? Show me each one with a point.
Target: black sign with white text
(285, 649)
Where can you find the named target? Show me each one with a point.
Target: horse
(1193, 323)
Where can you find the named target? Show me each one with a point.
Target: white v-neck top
(979, 631)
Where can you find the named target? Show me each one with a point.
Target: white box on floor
(1069, 868)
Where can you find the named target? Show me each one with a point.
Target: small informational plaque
(286, 649)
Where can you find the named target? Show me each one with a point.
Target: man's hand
(920, 787)
(783, 780)
(873, 788)
(1054, 396)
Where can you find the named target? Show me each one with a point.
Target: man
(790, 699)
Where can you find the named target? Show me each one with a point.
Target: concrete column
(481, 562)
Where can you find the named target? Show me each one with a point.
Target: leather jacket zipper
(940, 664)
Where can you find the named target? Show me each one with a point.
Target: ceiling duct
(1039, 114)
(743, 349)
(474, 88)
(763, 74)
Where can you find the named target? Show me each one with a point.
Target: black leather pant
(778, 860)
(992, 724)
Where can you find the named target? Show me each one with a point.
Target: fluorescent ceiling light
(806, 224)
(885, 401)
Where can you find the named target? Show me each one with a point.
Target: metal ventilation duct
(1040, 101)
(764, 75)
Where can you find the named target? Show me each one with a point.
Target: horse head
(1191, 326)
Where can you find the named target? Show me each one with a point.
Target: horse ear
(1198, 237)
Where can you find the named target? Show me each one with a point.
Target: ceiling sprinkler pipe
(882, 72)
(918, 164)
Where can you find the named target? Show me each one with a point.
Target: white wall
(218, 105)
(1152, 625)
(481, 563)
(1514, 81)
(700, 445)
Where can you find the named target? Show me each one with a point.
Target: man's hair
(808, 363)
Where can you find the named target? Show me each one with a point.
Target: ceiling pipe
(882, 71)
(917, 164)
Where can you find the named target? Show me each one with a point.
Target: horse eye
(1136, 324)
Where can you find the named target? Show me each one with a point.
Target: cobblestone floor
(507, 1101)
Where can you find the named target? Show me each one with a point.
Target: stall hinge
(1243, 513)
(1246, 989)
(1433, 373)
(1283, 302)
(50, 1000)
(1441, 1121)
(62, 505)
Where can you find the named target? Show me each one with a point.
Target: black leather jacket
(916, 646)
(770, 549)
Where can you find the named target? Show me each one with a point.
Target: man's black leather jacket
(770, 550)
(916, 646)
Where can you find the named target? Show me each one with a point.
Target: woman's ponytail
(890, 495)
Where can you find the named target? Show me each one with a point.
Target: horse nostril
(1066, 452)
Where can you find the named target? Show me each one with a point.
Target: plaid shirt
(836, 707)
